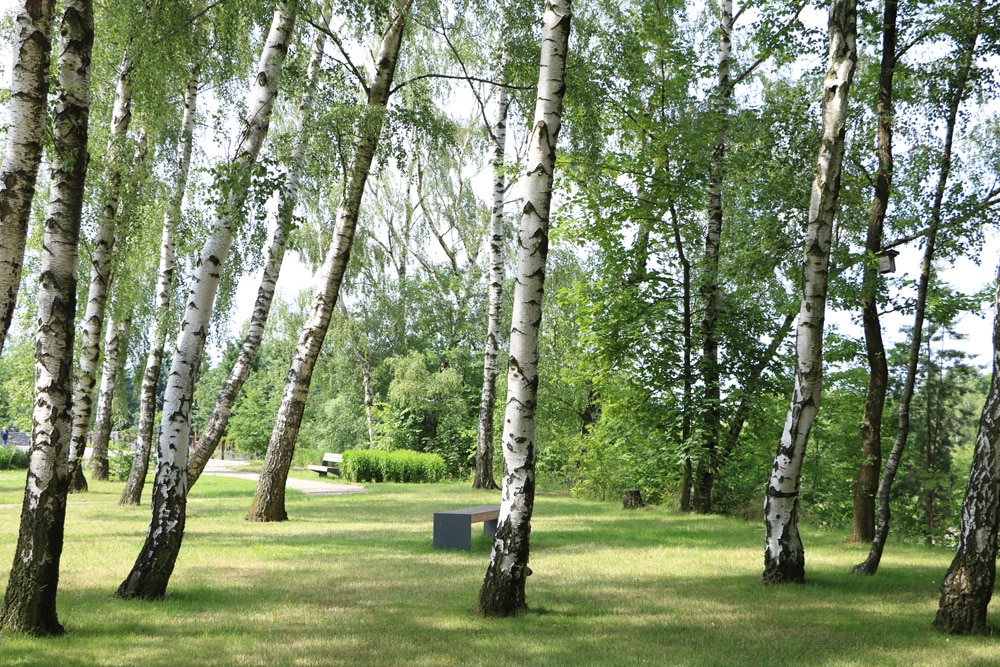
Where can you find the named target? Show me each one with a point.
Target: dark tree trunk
(968, 587)
(863, 525)
(958, 93)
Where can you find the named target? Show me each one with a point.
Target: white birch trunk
(269, 498)
(272, 269)
(113, 337)
(151, 573)
(29, 604)
(784, 558)
(711, 290)
(132, 492)
(29, 89)
(100, 274)
(484, 443)
(503, 593)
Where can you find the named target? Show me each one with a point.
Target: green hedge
(401, 465)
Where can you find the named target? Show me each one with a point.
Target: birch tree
(115, 335)
(503, 593)
(784, 557)
(711, 290)
(230, 389)
(269, 498)
(151, 573)
(491, 350)
(967, 588)
(132, 492)
(29, 90)
(92, 325)
(29, 604)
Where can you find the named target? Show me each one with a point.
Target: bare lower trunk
(92, 325)
(503, 590)
(487, 402)
(688, 370)
(26, 116)
(711, 290)
(863, 525)
(132, 492)
(105, 396)
(151, 573)
(784, 557)
(230, 389)
(968, 587)
(958, 93)
(366, 381)
(269, 499)
(29, 604)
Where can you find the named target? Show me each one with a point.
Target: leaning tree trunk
(968, 587)
(132, 493)
(269, 498)
(151, 573)
(92, 325)
(113, 359)
(26, 114)
(784, 558)
(711, 291)
(863, 525)
(29, 604)
(503, 592)
(230, 389)
(487, 402)
(958, 92)
(687, 368)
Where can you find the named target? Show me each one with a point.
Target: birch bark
(29, 90)
(269, 498)
(92, 325)
(29, 604)
(711, 291)
(784, 557)
(484, 443)
(968, 587)
(217, 423)
(503, 593)
(132, 492)
(150, 575)
(954, 102)
(113, 338)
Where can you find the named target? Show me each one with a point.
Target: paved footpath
(310, 487)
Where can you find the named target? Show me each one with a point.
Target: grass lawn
(353, 580)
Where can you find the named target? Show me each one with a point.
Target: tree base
(632, 500)
(78, 484)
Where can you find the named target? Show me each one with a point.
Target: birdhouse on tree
(887, 261)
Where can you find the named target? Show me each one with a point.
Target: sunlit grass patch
(354, 580)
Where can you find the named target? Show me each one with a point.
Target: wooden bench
(330, 464)
(453, 529)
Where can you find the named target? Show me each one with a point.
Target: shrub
(373, 465)
(12, 458)
(120, 464)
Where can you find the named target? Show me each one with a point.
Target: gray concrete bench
(331, 464)
(453, 529)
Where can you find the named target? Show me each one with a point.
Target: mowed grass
(353, 580)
